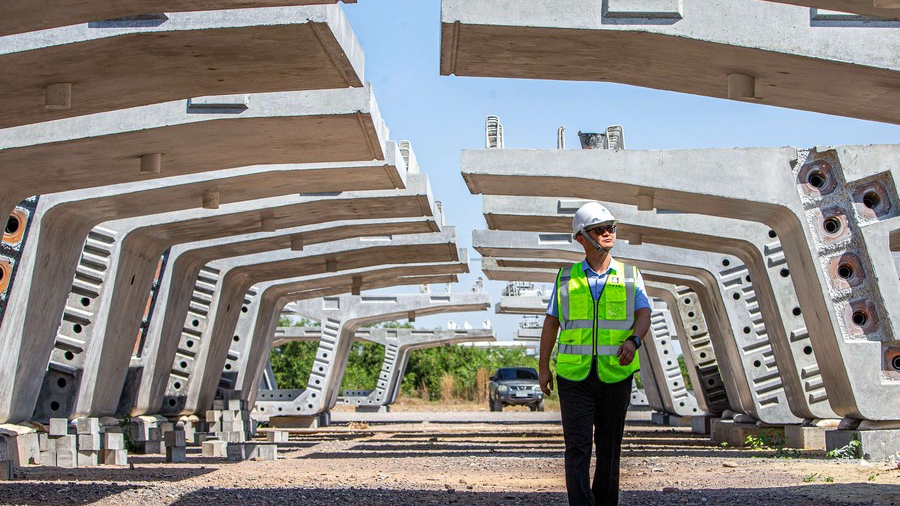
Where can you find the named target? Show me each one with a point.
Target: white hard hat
(589, 215)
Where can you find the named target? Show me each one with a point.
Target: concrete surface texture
(63, 220)
(660, 362)
(885, 9)
(784, 186)
(144, 143)
(749, 355)
(31, 15)
(119, 64)
(340, 318)
(764, 52)
(775, 306)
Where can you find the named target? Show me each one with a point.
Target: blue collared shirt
(597, 282)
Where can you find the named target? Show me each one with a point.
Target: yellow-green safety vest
(590, 328)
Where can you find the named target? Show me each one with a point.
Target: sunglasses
(602, 229)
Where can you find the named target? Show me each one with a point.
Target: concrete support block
(67, 443)
(114, 457)
(6, 470)
(58, 427)
(804, 437)
(153, 447)
(700, 424)
(176, 454)
(89, 442)
(87, 426)
(735, 434)
(277, 436)
(175, 438)
(48, 458)
(873, 444)
(88, 458)
(214, 449)
(247, 451)
(67, 458)
(113, 441)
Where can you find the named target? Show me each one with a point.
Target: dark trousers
(593, 412)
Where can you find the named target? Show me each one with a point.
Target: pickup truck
(514, 386)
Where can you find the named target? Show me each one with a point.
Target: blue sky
(442, 115)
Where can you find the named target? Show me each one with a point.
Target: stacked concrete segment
(774, 309)
(762, 52)
(660, 358)
(341, 317)
(830, 207)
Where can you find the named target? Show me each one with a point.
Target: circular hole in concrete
(687, 301)
(711, 381)
(702, 354)
(736, 296)
(665, 352)
(61, 382)
(832, 225)
(726, 263)
(772, 234)
(227, 367)
(85, 301)
(182, 364)
(816, 179)
(54, 406)
(321, 369)
(785, 273)
(757, 363)
(895, 363)
(172, 402)
(77, 328)
(668, 362)
(845, 271)
(12, 224)
(690, 314)
(746, 330)
(807, 350)
(675, 384)
(69, 355)
(871, 199)
(236, 338)
(244, 309)
(195, 323)
(662, 342)
(747, 278)
(695, 328)
(176, 385)
(796, 311)
(189, 344)
(860, 318)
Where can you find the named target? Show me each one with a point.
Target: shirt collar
(586, 267)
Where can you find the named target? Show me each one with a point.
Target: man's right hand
(545, 378)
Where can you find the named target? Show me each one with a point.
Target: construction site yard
(464, 457)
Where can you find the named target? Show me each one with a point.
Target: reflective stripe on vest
(574, 349)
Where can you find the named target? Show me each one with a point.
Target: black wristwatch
(636, 340)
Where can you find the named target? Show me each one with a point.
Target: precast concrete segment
(31, 15)
(188, 287)
(143, 241)
(240, 273)
(117, 64)
(839, 9)
(280, 293)
(522, 304)
(189, 136)
(748, 50)
(661, 358)
(340, 318)
(750, 352)
(699, 354)
(543, 270)
(756, 245)
(829, 207)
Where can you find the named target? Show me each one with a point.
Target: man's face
(604, 235)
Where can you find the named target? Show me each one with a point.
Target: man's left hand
(626, 352)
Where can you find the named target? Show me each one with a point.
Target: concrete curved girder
(184, 295)
(755, 244)
(110, 65)
(689, 46)
(240, 273)
(31, 15)
(756, 376)
(340, 319)
(660, 365)
(107, 148)
(774, 186)
(27, 332)
(692, 331)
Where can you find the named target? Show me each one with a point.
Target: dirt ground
(471, 462)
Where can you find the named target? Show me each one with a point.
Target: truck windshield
(518, 374)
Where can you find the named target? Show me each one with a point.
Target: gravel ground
(487, 461)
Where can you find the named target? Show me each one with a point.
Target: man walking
(600, 311)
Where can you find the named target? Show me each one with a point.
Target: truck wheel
(491, 404)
